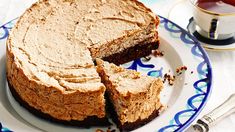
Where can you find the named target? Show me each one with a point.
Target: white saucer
(228, 44)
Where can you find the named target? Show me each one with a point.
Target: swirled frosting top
(50, 41)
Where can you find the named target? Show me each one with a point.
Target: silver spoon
(210, 119)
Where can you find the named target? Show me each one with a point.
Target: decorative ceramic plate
(184, 100)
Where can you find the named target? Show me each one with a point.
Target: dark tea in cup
(217, 6)
(214, 19)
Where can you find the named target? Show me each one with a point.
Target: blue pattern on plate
(3, 129)
(192, 109)
(4, 29)
(4, 32)
(156, 73)
(139, 63)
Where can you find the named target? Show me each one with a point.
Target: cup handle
(213, 34)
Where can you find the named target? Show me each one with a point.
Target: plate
(184, 100)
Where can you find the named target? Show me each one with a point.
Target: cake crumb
(99, 130)
(136, 75)
(181, 69)
(170, 82)
(157, 53)
(108, 130)
(117, 69)
(113, 130)
(169, 78)
(191, 72)
(146, 58)
(162, 108)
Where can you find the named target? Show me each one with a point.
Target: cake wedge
(134, 98)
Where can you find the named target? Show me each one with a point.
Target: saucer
(209, 44)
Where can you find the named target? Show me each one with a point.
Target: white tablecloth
(179, 11)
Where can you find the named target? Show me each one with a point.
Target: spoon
(210, 119)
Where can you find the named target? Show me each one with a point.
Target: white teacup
(217, 26)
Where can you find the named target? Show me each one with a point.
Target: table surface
(179, 11)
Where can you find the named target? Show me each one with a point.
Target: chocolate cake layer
(139, 122)
(132, 125)
(87, 123)
(132, 53)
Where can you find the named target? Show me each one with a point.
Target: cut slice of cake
(134, 97)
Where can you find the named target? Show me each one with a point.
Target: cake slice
(134, 97)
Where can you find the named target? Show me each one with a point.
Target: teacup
(212, 24)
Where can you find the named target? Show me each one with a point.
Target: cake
(51, 49)
(134, 97)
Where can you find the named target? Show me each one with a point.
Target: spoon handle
(215, 115)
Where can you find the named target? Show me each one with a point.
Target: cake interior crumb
(99, 130)
(180, 70)
(158, 53)
(169, 78)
